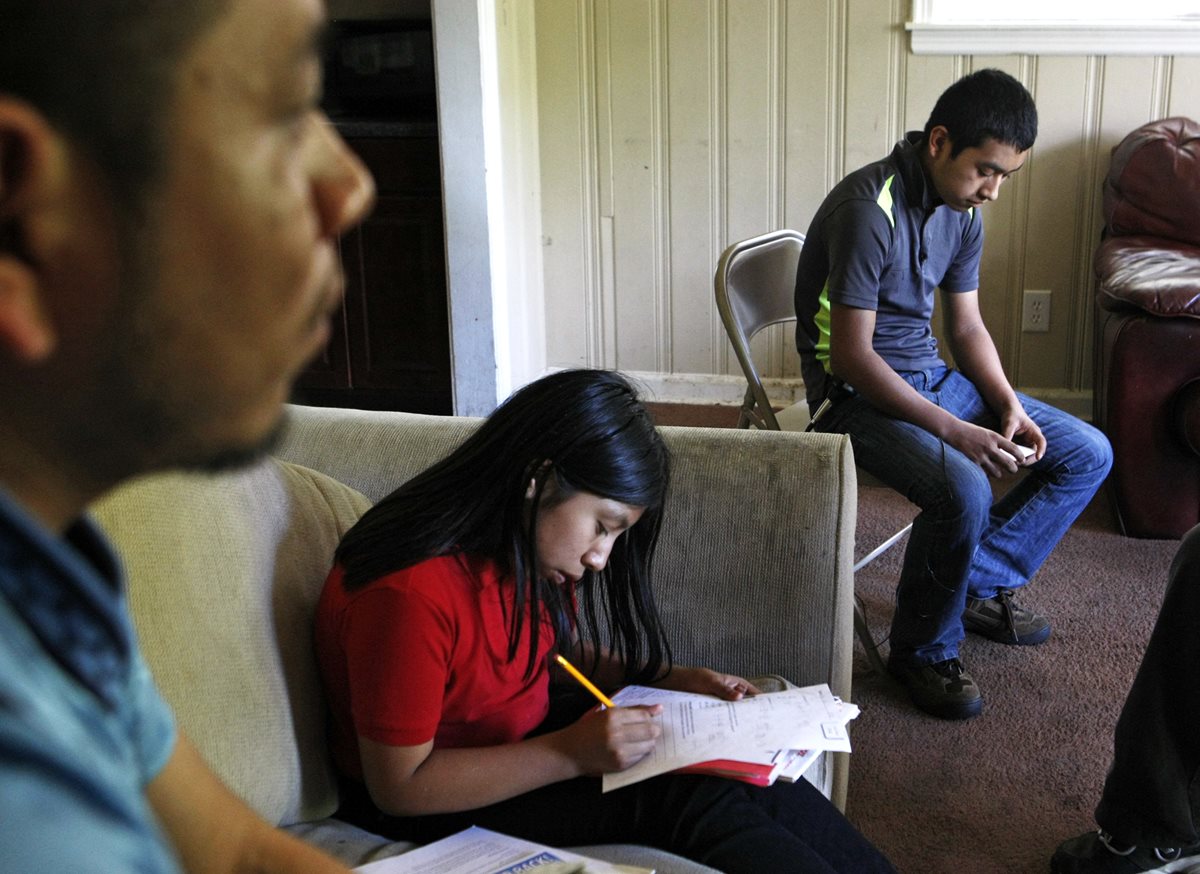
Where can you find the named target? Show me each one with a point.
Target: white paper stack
(759, 739)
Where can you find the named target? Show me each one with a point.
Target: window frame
(957, 27)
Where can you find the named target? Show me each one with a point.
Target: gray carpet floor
(998, 793)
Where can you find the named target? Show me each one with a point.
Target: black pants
(724, 824)
(1151, 796)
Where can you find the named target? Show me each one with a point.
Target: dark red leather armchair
(1147, 394)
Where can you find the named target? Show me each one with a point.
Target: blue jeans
(962, 544)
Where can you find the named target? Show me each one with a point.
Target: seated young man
(882, 241)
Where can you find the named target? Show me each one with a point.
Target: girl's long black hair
(588, 430)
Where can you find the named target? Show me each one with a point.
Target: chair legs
(860, 617)
(881, 548)
(868, 642)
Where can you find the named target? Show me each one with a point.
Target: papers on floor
(479, 851)
(781, 733)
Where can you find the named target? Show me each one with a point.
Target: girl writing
(438, 624)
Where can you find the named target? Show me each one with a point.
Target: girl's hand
(707, 682)
(611, 739)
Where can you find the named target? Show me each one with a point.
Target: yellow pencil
(587, 684)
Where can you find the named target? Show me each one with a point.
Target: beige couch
(753, 574)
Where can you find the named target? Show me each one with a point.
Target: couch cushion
(224, 573)
(349, 844)
(389, 447)
(1150, 274)
(1153, 184)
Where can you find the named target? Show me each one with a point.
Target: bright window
(1056, 27)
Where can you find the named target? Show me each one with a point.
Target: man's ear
(26, 334)
(33, 169)
(938, 141)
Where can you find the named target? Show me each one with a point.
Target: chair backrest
(755, 287)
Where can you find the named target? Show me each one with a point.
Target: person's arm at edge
(854, 360)
(214, 831)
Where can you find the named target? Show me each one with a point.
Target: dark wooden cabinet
(391, 344)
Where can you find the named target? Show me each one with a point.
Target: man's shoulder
(100, 820)
(872, 195)
(866, 183)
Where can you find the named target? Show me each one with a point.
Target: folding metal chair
(755, 288)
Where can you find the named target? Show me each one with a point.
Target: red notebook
(788, 765)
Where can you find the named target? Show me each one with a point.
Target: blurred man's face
(238, 293)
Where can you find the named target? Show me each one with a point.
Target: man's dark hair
(987, 104)
(103, 73)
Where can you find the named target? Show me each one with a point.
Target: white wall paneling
(671, 128)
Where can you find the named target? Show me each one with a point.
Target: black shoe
(1001, 620)
(1098, 853)
(942, 689)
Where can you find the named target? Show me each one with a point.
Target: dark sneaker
(942, 689)
(1098, 853)
(1001, 620)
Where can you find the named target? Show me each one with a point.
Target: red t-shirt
(422, 654)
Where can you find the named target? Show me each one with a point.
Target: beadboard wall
(669, 128)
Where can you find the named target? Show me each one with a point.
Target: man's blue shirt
(882, 240)
(83, 728)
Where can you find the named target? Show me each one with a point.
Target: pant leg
(1029, 521)
(736, 828)
(1152, 794)
(954, 496)
(1019, 531)
(728, 825)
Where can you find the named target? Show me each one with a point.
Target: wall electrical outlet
(1035, 311)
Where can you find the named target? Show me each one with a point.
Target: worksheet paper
(697, 728)
(480, 851)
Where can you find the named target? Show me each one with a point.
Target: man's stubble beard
(150, 424)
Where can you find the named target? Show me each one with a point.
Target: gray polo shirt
(882, 240)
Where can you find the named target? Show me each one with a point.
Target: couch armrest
(754, 570)
(754, 566)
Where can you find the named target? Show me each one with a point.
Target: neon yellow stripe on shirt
(885, 199)
(821, 320)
